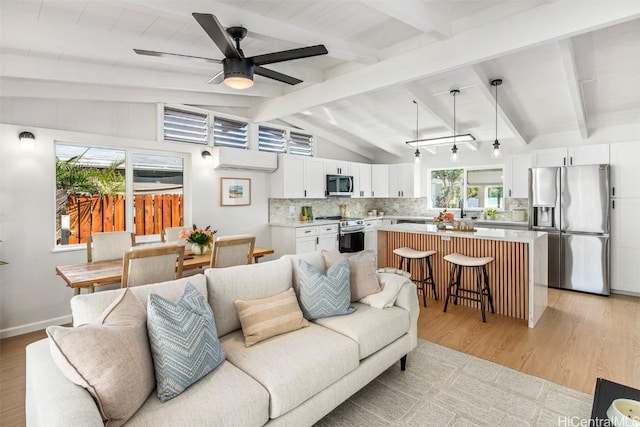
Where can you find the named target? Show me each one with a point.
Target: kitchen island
(517, 276)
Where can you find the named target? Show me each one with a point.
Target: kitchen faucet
(461, 206)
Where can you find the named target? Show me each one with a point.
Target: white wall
(31, 295)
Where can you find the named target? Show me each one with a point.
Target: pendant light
(495, 154)
(454, 150)
(417, 153)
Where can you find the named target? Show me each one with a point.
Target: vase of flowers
(199, 238)
(442, 219)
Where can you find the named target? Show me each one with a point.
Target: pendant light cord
(454, 119)
(496, 112)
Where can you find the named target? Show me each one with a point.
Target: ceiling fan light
(238, 82)
(238, 73)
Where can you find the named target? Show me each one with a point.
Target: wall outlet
(292, 209)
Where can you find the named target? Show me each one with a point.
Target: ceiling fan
(238, 70)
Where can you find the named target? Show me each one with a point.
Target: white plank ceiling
(567, 65)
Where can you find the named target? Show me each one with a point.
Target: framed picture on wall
(235, 191)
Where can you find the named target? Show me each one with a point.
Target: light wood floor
(579, 337)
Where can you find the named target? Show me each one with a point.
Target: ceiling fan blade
(218, 34)
(175, 55)
(217, 79)
(288, 55)
(265, 72)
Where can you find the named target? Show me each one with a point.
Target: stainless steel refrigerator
(571, 203)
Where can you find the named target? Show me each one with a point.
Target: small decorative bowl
(624, 412)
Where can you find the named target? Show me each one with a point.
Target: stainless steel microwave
(339, 185)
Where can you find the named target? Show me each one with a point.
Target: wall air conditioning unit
(236, 158)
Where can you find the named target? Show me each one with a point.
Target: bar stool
(479, 264)
(422, 257)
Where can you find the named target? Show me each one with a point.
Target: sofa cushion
(86, 308)
(314, 258)
(244, 282)
(184, 341)
(372, 328)
(267, 317)
(225, 397)
(110, 358)
(324, 295)
(294, 366)
(363, 279)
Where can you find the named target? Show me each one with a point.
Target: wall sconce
(27, 142)
(206, 154)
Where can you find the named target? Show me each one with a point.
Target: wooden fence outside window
(93, 214)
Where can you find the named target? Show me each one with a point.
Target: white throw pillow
(391, 285)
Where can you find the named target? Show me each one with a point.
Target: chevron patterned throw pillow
(324, 295)
(184, 341)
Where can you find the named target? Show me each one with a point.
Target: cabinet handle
(373, 194)
(571, 160)
(308, 231)
(305, 193)
(317, 240)
(613, 191)
(564, 161)
(509, 193)
(613, 204)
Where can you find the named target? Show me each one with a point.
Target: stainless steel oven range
(351, 235)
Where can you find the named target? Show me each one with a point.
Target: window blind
(230, 133)
(300, 144)
(271, 140)
(185, 126)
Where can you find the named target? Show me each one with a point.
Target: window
(91, 192)
(185, 126)
(300, 144)
(271, 139)
(230, 133)
(446, 188)
(484, 188)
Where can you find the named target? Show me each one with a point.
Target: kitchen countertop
(428, 219)
(525, 236)
(298, 223)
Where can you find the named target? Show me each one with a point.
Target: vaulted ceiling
(568, 66)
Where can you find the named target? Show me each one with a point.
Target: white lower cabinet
(371, 234)
(625, 245)
(299, 240)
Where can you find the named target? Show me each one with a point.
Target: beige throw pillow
(110, 358)
(267, 317)
(364, 280)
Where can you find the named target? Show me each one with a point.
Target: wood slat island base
(517, 276)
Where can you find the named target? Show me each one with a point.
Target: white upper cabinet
(516, 176)
(337, 167)
(361, 179)
(379, 180)
(595, 154)
(592, 154)
(298, 177)
(625, 173)
(401, 180)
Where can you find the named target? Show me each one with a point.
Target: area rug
(443, 387)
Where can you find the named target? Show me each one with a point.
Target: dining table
(89, 274)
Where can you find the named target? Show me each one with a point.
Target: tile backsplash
(290, 209)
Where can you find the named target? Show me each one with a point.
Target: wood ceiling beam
(18, 66)
(322, 132)
(573, 83)
(262, 25)
(22, 88)
(482, 82)
(415, 14)
(526, 29)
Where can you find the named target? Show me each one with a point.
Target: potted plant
(491, 213)
(199, 238)
(442, 219)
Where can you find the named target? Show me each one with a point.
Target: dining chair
(228, 251)
(143, 265)
(109, 245)
(172, 234)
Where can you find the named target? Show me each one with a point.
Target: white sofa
(292, 379)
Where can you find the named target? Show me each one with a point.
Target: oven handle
(345, 232)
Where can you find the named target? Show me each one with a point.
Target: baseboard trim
(627, 293)
(32, 327)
